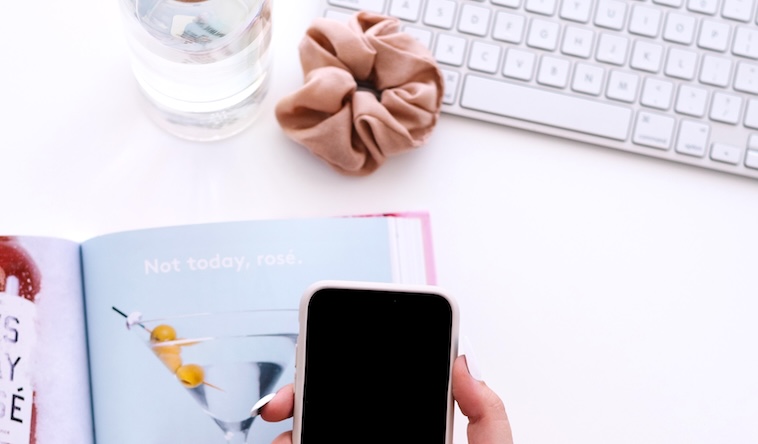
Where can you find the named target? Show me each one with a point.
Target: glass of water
(202, 65)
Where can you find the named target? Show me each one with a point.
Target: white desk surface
(609, 297)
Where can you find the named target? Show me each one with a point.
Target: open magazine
(159, 335)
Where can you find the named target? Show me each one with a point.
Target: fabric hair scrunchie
(369, 92)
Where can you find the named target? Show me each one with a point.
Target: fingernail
(471, 362)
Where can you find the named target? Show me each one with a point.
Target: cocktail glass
(229, 362)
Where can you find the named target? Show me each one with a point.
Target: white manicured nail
(471, 361)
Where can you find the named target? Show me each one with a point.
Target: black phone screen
(376, 367)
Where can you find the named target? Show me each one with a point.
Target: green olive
(190, 375)
(170, 355)
(163, 333)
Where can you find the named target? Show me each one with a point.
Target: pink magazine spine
(426, 231)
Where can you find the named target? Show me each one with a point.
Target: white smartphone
(374, 364)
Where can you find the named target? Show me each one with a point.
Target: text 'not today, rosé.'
(218, 262)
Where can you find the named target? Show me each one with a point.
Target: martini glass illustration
(231, 363)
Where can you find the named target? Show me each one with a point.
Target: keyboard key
(647, 56)
(751, 159)
(714, 35)
(726, 108)
(674, 3)
(622, 86)
(746, 42)
(653, 130)
(484, 57)
(612, 49)
(691, 100)
(681, 64)
(693, 138)
(509, 3)
(746, 79)
(519, 64)
(546, 107)
(751, 114)
(577, 42)
(576, 10)
(450, 49)
(508, 27)
(737, 9)
(703, 6)
(722, 152)
(588, 79)
(474, 20)
(679, 28)
(406, 9)
(424, 36)
(611, 14)
(451, 79)
(644, 21)
(543, 34)
(657, 93)
(716, 71)
(544, 7)
(440, 13)
(553, 72)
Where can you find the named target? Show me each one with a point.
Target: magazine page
(194, 374)
(44, 386)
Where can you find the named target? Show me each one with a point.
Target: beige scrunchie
(370, 92)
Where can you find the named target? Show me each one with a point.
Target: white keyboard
(672, 79)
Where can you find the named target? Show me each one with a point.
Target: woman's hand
(487, 420)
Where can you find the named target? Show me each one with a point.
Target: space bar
(546, 107)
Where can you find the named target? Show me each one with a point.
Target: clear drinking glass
(202, 65)
(228, 362)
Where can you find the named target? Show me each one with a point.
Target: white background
(609, 297)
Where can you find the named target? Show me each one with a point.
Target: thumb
(487, 420)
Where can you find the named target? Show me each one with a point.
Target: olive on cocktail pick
(190, 375)
(170, 356)
(162, 333)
